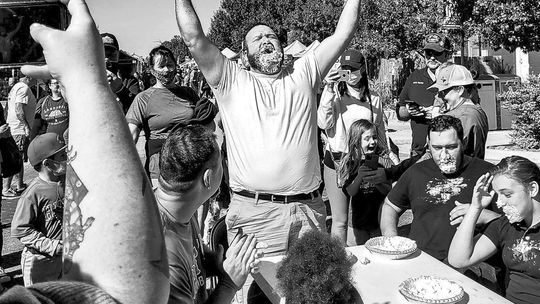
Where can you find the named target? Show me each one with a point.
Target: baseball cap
(452, 75)
(437, 42)
(109, 40)
(352, 58)
(44, 146)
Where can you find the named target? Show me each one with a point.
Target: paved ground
(399, 132)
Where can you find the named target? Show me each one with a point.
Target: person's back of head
(317, 269)
(189, 154)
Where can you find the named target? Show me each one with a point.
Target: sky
(139, 25)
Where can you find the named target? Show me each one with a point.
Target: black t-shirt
(432, 195)
(521, 256)
(415, 89)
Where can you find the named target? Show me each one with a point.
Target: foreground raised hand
(112, 233)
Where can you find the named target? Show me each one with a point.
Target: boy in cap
(126, 87)
(455, 87)
(37, 221)
(415, 100)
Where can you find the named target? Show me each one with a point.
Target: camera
(16, 45)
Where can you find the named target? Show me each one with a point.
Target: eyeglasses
(431, 53)
(445, 91)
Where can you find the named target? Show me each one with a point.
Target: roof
(293, 48)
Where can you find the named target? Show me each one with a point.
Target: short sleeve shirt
(184, 252)
(521, 254)
(20, 93)
(431, 195)
(157, 110)
(55, 113)
(270, 122)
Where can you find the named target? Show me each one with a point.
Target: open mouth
(267, 48)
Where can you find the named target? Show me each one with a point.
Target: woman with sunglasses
(345, 99)
(456, 89)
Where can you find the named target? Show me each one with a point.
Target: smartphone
(371, 161)
(344, 75)
(16, 45)
(412, 103)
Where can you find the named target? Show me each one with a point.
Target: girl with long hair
(364, 156)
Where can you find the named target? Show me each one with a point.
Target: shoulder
(479, 163)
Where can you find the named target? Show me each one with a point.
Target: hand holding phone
(344, 75)
(371, 161)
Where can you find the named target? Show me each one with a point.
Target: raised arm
(206, 54)
(112, 232)
(331, 47)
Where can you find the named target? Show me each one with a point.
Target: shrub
(524, 103)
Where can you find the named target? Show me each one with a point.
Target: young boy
(37, 221)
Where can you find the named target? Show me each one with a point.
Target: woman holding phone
(346, 98)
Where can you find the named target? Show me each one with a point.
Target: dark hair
(446, 122)
(160, 50)
(184, 155)
(352, 158)
(282, 35)
(518, 168)
(317, 269)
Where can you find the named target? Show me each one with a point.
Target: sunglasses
(431, 53)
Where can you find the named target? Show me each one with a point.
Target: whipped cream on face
(511, 212)
(268, 59)
(448, 166)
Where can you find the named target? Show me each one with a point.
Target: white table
(378, 281)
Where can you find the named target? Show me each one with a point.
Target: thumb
(458, 203)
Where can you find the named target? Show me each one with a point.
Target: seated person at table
(516, 180)
(438, 190)
(190, 173)
(317, 269)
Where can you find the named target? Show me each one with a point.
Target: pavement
(399, 131)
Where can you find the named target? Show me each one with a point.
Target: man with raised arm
(112, 232)
(270, 122)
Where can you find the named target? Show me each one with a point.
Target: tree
(178, 47)
(508, 24)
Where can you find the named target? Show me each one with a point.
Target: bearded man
(270, 122)
(437, 190)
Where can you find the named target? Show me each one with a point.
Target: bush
(524, 103)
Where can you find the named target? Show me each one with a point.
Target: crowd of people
(99, 226)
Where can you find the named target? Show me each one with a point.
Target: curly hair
(446, 122)
(317, 270)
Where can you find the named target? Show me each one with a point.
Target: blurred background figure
(52, 112)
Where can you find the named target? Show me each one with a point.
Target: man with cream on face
(438, 190)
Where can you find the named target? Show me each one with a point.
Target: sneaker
(10, 193)
(4, 277)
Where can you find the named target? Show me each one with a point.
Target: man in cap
(126, 87)
(415, 100)
(37, 221)
(456, 87)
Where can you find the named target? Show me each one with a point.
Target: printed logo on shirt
(525, 250)
(418, 82)
(54, 210)
(442, 190)
(196, 273)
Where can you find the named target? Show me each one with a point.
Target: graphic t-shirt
(521, 255)
(184, 251)
(37, 221)
(431, 195)
(55, 113)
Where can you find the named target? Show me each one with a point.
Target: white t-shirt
(20, 93)
(270, 125)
